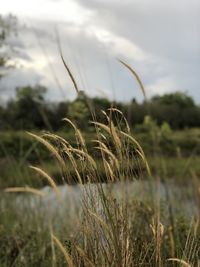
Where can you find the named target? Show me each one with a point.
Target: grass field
(100, 227)
(174, 157)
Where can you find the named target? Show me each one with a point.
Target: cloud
(159, 39)
(161, 85)
(87, 53)
(18, 77)
(167, 31)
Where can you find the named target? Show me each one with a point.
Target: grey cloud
(19, 77)
(167, 32)
(97, 72)
(165, 28)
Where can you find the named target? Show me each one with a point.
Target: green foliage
(27, 111)
(178, 98)
(177, 109)
(79, 113)
(113, 223)
(30, 94)
(30, 110)
(166, 130)
(149, 124)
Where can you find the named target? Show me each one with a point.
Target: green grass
(173, 158)
(172, 168)
(20, 145)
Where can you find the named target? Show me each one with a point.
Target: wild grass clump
(114, 229)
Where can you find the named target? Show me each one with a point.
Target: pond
(180, 198)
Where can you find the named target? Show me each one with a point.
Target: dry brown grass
(113, 232)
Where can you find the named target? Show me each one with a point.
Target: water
(182, 198)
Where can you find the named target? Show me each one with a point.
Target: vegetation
(105, 229)
(178, 150)
(30, 110)
(127, 212)
(102, 228)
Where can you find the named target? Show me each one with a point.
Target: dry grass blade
(121, 113)
(197, 188)
(101, 125)
(139, 150)
(50, 147)
(109, 170)
(134, 141)
(63, 250)
(49, 179)
(136, 76)
(64, 63)
(112, 156)
(115, 136)
(52, 247)
(109, 230)
(78, 133)
(71, 158)
(102, 223)
(57, 138)
(184, 263)
(84, 256)
(84, 154)
(100, 143)
(70, 73)
(25, 189)
(105, 114)
(117, 110)
(73, 162)
(145, 161)
(111, 130)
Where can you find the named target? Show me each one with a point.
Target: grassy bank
(184, 143)
(172, 168)
(173, 157)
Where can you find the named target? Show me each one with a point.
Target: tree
(7, 26)
(78, 112)
(27, 111)
(179, 99)
(59, 112)
(178, 109)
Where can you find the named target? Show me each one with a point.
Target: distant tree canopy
(178, 109)
(26, 110)
(30, 110)
(178, 99)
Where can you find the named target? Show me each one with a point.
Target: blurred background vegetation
(167, 125)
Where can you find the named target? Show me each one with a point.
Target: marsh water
(180, 198)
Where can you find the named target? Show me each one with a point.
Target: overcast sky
(159, 39)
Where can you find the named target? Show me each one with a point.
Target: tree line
(29, 110)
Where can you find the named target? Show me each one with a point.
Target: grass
(110, 230)
(21, 146)
(173, 168)
(106, 225)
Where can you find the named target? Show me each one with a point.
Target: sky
(159, 39)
